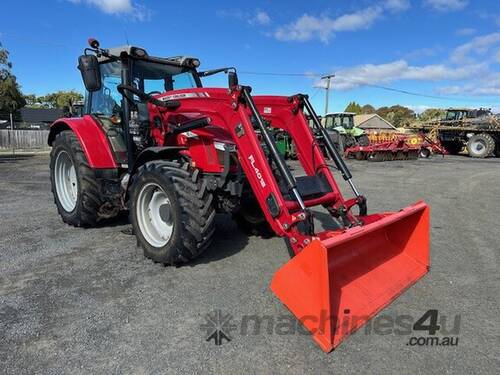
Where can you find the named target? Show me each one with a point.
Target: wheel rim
(66, 181)
(478, 147)
(424, 153)
(154, 215)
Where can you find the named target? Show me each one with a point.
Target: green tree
(432, 114)
(60, 99)
(367, 109)
(31, 100)
(11, 98)
(397, 115)
(353, 107)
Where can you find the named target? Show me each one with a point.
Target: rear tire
(338, 141)
(481, 145)
(73, 183)
(172, 212)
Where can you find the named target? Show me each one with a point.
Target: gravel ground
(86, 301)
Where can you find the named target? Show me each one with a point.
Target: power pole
(12, 133)
(328, 78)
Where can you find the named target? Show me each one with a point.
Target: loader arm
(278, 192)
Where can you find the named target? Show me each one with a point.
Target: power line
(309, 75)
(280, 74)
(35, 41)
(361, 82)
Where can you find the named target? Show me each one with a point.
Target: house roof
(372, 121)
(41, 114)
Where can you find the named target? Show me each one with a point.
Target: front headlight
(221, 146)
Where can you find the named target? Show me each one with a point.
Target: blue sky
(448, 49)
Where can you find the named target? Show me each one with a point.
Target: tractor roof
(142, 53)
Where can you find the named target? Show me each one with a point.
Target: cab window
(156, 77)
(107, 101)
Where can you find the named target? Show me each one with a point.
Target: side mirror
(169, 83)
(91, 73)
(232, 79)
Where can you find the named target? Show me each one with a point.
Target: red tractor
(154, 141)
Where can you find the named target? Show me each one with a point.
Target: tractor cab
(122, 81)
(343, 124)
(456, 114)
(340, 121)
(129, 65)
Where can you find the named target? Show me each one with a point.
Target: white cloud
(496, 58)
(262, 18)
(397, 5)
(466, 31)
(418, 109)
(446, 5)
(324, 27)
(478, 46)
(423, 53)
(490, 17)
(487, 85)
(119, 7)
(258, 17)
(372, 74)
(308, 27)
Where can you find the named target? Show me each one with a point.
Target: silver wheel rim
(154, 215)
(478, 147)
(66, 181)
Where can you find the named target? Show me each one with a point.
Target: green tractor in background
(344, 133)
(285, 145)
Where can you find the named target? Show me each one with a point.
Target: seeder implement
(397, 149)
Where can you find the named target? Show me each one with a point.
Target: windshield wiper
(215, 71)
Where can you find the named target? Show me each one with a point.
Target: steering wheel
(123, 89)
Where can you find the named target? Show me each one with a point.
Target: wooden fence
(23, 139)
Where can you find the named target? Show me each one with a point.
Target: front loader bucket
(335, 285)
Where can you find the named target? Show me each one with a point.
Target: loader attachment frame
(353, 271)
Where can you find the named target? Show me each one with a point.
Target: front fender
(340, 130)
(156, 153)
(92, 137)
(357, 132)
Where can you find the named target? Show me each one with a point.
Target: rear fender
(92, 137)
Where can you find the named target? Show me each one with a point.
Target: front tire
(481, 145)
(424, 153)
(363, 140)
(73, 183)
(172, 212)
